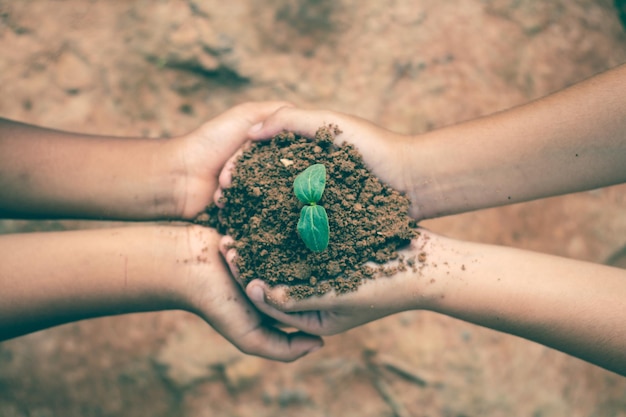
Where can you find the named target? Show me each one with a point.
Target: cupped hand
(203, 152)
(384, 152)
(212, 293)
(333, 313)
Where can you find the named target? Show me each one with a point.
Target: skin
(570, 141)
(49, 279)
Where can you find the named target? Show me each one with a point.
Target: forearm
(571, 141)
(572, 306)
(48, 279)
(47, 173)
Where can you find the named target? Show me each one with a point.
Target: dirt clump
(368, 220)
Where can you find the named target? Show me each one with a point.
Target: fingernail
(256, 294)
(255, 128)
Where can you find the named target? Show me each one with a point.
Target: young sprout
(313, 224)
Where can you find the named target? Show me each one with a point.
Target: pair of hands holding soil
(325, 300)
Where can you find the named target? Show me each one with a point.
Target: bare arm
(59, 174)
(571, 141)
(58, 277)
(576, 307)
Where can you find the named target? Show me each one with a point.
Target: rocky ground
(160, 68)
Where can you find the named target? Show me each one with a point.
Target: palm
(334, 313)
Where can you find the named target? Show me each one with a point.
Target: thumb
(274, 301)
(228, 131)
(300, 121)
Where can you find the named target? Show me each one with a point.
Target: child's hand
(212, 293)
(202, 153)
(384, 152)
(332, 313)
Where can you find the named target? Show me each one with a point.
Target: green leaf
(313, 227)
(310, 183)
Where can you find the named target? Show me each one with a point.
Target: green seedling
(313, 224)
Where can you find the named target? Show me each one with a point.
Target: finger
(231, 260)
(257, 112)
(306, 321)
(225, 243)
(225, 178)
(229, 130)
(271, 343)
(300, 121)
(382, 294)
(249, 332)
(251, 113)
(278, 298)
(218, 197)
(229, 253)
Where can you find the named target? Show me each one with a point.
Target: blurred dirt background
(160, 68)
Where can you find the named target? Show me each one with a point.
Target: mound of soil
(368, 220)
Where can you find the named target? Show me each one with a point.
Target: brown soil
(368, 220)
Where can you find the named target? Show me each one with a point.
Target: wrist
(175, 264)
(168, 174)
(413, 178)
(197, 262)
(142, 268)
(420, 158)
(165, 275)
(437, 264)
(190, 176)
(391, 157)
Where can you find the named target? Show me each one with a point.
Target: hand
(333, 313)
(203, 152)
(385, 153)
(214, 295)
